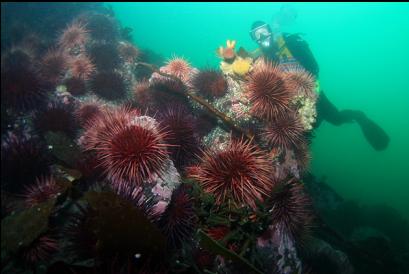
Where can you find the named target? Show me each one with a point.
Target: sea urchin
(43, 189)
(210, 83)
(284, 131)
(241, 172)
(130, 149)
(179, 220)
(268, 92)
(291, 209)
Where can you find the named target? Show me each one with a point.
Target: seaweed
(122, 228)
(208, 243)
(21, 229)
(63, 148)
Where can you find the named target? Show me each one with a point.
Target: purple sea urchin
(179, 220)
(56, 117)
(21, 86)
(182, 134)
(109, 85)
(22, 161)
(210, 83)
(76, 86)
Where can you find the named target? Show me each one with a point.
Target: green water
(363, 53)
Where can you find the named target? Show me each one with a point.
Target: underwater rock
(281, 251)
(306, 111)
(323, 196)
(235, 103)
(323, 258)
(217, 138)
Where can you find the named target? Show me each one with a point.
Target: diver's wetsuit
(300, 51)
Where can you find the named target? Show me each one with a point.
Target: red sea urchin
(179, 220)
(241, 172)
(42, 190)
(146, 204)
(40, 250)
(291, 209)
(300, 81)
(53, 65)
(74, 35)
(285, 131)
(130, 149)
(128, 52)
(210, 83)
(141, 93)
(133, 153)
(82, 67)
(178, 67)
(268, 92)
(87, 111)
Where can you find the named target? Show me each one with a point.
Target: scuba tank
(293, 50)
(300, 50)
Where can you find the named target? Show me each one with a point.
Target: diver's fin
(373, 133)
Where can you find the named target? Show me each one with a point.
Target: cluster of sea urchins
(272, 91)
(130, 148)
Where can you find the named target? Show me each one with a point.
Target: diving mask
(261, 33)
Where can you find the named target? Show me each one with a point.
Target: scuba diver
(291, 48)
